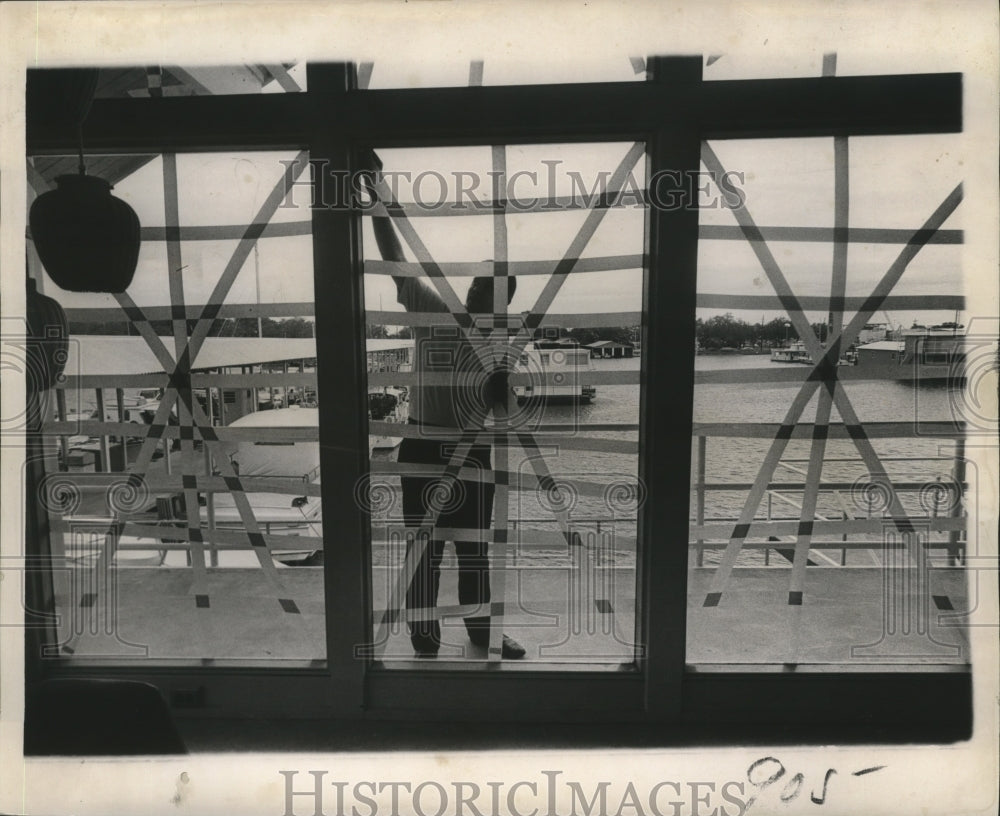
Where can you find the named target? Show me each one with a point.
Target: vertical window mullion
(668, 382)
(343, 430)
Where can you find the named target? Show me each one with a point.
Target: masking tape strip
(821, 428)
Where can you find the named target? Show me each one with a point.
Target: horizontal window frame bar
(849, 699)
(875, 105)
(722, 109)
(557, 695)
(865, 708)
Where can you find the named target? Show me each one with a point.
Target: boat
(285, 514)
(794, 352)
(550, 357)
(922, 353)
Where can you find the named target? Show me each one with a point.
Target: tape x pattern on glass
(178, 392)
(499, 335)
(823, 376)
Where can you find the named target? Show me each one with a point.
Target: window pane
(828, 527)
(547, 537)
(184, 499)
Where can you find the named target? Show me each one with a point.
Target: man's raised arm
(389, 246)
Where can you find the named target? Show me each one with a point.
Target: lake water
(728, 460)
(734, 459)
(738, 460)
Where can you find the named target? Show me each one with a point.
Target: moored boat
(792, 353)
(561, 370)
(922, 354)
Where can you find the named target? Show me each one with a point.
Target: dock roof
(606, 343)
(883, 345)
(91, 354)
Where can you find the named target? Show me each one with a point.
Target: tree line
(726, 331)
(720, 331)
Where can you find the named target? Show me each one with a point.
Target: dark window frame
(672, 113)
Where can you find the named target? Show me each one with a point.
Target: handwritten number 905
(766, 771)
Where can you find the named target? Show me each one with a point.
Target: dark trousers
(462, 504)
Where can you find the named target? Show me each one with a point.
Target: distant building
(881, 352)
(610, 348)
(389, 355)
(929, 354)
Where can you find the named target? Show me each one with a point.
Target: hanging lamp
(87, 239)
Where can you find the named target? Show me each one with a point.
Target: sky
(894, 182)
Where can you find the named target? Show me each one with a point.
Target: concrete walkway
(563, 614)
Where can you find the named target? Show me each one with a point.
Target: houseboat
(286, 514)
(792, 353)
(568, 363)
(923, 353)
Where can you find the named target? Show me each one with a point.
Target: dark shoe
(510, 650)
(479, 630)
(426, 638)
(424, 647)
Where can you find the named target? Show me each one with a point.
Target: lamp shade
(87, 239)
